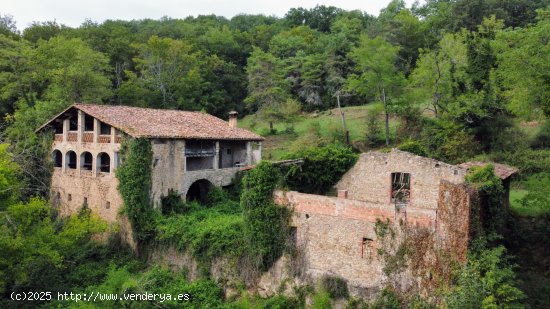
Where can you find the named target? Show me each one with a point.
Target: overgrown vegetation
(453, 80)
(491, 193)
(265, 223)
(134, 185)
(486, 281)
(321, 169)
(207, 232)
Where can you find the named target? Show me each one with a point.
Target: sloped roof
(162, 123)
(502, 171)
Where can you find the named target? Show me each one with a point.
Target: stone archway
(198, 191)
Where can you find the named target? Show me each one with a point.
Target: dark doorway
(198, 191)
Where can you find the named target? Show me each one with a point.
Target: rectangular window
(400, 188)
(104, 129)
(86, 200)
(367, 248)
(88, 123)
(108, 205)
(69, 197)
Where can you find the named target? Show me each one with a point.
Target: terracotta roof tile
(502, 171)
(164, 123)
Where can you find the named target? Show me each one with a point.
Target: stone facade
(337, 235)
(78, 177)
(85, 153)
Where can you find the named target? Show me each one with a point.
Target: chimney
(343, 194)
(233, 119)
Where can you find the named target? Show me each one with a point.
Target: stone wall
(168, 167)
(370, 179)
(169, 170)
(69, 187)
(336, 236)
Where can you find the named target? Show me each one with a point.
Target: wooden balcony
(58, 138)
(72, 136)
(88, 137)
(104, 138)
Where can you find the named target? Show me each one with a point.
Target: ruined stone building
(191, 151)
(412, 195)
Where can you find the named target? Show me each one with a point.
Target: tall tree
(377, 73)
(440, 74)
(523, 57)
(267, 88)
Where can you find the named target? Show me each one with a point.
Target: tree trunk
(271, 127)
(387, 117)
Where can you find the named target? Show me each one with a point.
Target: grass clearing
(525, 211)
(277, 145)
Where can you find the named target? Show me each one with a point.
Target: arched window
(70, 159)
(57, 158)
(104, 163)
(86, 159)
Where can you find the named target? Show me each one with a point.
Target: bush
(542, 140)
(447, 141)
(336, 287)
(206, 232)
(172, 203)
(321, 169)
(492, 194)
(413, 146)
(374, 129)
(386, 300)
(486, 281)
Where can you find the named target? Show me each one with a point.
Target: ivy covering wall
(265, 224)
(134, 177)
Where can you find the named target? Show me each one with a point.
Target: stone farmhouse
(414, 195)
(191, 151)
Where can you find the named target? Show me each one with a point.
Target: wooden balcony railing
(88, 137)
(72, 136)
(58, 138)
(104, 138)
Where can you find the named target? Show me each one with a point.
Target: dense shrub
(448, 141)
(335, 286)
(321, 169)
(172, 203)
(486, 281)
(206, 232)
(492, 194)
(542, 139)
(528, 161)
(413, 146)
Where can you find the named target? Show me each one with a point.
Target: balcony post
(217, 156)
(248, 153)
(97, 126)
(113, 135)
(80, 126)
(66, 124)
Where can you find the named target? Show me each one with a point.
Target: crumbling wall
(370, 178)
(454, 217)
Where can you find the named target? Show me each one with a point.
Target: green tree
(523, 57)
(9, 183)
(267, 89)
(171, 69)
(440, 74)
(377, 74)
